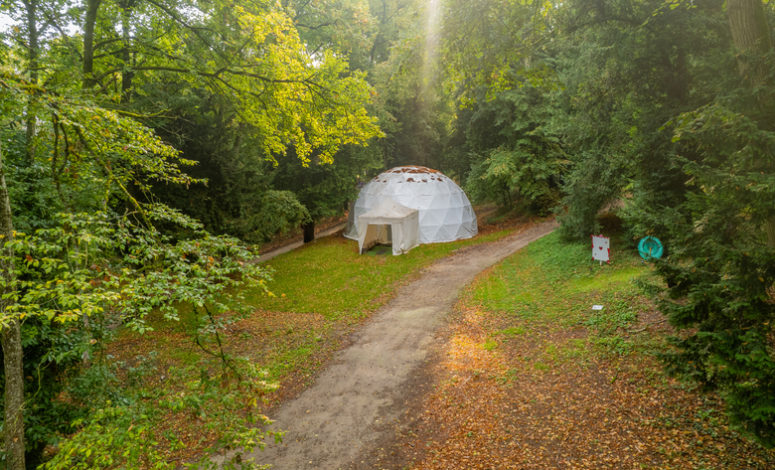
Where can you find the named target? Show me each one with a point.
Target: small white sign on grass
(600, 248)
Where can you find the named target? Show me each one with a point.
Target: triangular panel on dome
(446, 233)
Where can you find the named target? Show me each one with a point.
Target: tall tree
(753, 41)
(751, 37)
(252, 55)
(10, 337)
(719, 271)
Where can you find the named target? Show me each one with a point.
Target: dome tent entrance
(391, 223)
(444, 211)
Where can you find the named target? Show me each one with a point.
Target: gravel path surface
(342, 415)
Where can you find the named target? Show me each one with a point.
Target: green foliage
(104, 267)
(58, 271)
(279, 212)
(228, 403)
(127, 435)
(721, 270)
(325, 189)
(626, 68)
(497, 50)
(251, 55)
(655, 113)
(60, 277)
(71, 273)
(505, 103)
(415, 109)
(194, 270)
(594, 181)
(298, 116)
(527, 174)
(51, 354)
(113, 436)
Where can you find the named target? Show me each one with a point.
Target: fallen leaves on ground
(538, 400)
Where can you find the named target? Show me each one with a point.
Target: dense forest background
(149, 142)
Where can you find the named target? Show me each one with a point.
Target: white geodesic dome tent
(444, 213)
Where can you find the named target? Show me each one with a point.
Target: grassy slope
(553, 285)
(532, 377)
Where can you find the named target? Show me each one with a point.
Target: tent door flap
(377, 234)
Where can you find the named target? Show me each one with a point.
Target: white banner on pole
(601, 248)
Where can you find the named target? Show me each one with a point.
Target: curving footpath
(342, 415)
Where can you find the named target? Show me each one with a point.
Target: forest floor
(526, 375)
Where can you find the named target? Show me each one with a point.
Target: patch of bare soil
(517, 407)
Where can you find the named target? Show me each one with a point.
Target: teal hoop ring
(650, 248)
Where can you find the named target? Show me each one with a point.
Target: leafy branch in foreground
(75, 272)
(85, 273)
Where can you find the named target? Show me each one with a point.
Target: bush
(721, 271)
(278, 213)
(527, 173)
(594, 181)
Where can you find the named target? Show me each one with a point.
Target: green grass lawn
(330, 278)
(555, 284)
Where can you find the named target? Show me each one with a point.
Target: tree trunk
(752, 40)
(92, 6)
(750, 35)
(11, 342)
(309, 231)
(32, 70)
(127, 74)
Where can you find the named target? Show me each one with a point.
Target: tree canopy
(146, 144)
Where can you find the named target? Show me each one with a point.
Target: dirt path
(343, 414)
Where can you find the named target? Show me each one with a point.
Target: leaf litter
(511, 393)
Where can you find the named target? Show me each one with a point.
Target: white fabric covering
(391, 223)
(445, 214)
